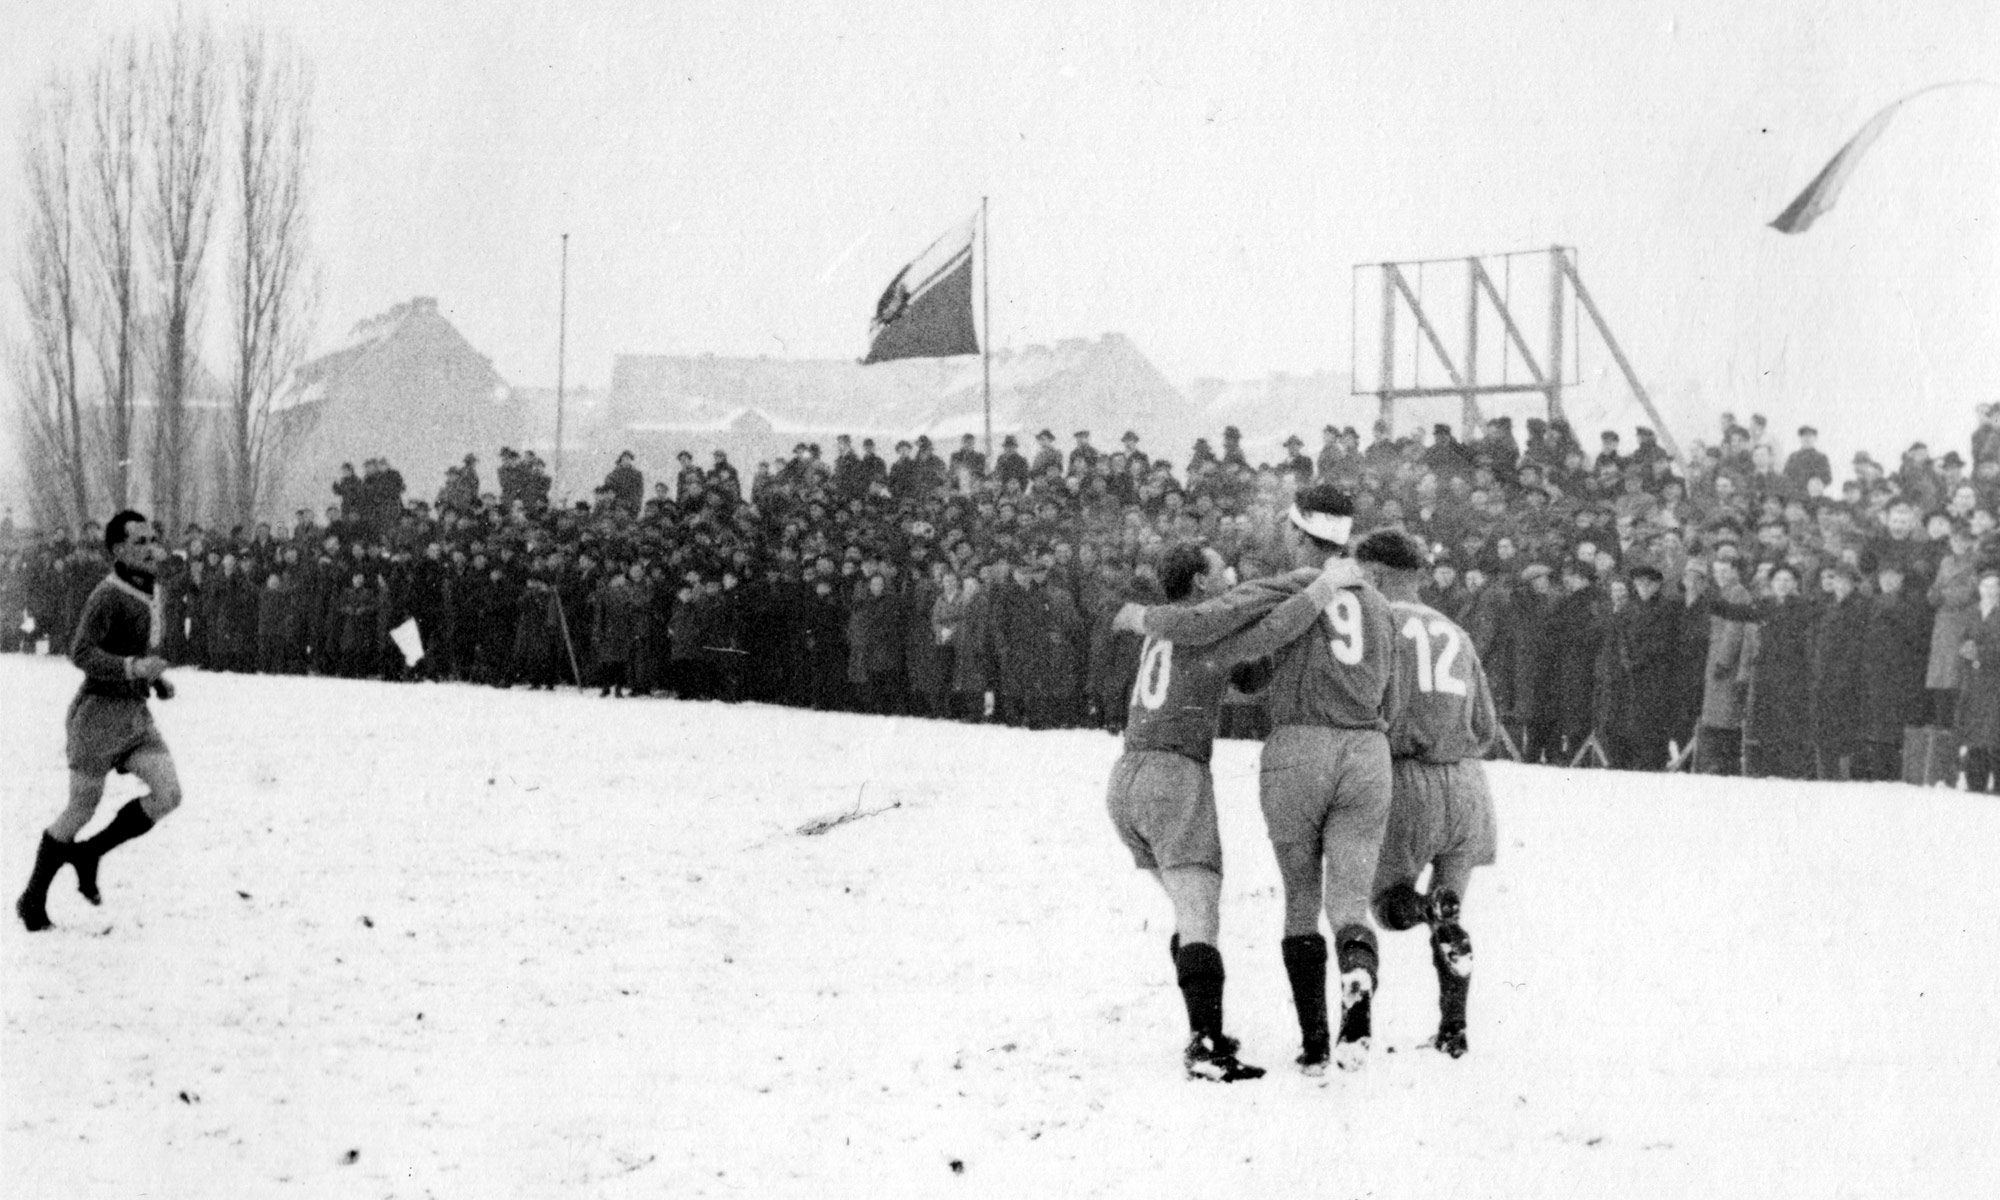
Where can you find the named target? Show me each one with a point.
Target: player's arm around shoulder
(1283, 624)
(1212, 620)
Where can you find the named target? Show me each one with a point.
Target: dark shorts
(1310, 775)
(1442, 817)
(104, 733)
(1163, 807)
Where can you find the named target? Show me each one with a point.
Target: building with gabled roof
(405, 386)
(757, 408)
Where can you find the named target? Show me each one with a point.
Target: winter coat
(1979, 700)
(972, 667)
(1643, 644)
(1726, 670)
(926, 661)
(875, 637)
(1574, 638)
(1781, 673)
(1839, 673)
(1955, 595)
(1895, 650)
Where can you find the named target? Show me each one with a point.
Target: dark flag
(926, 312)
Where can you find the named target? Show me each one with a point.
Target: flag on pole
(926, 311)
(1826, 186)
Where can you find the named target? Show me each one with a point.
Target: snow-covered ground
(454, 942)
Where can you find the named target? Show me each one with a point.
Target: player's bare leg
(1304, 949)
(1196, 892)
(155, 769)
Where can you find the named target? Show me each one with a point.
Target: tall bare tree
(184, 102)
(43, 360)
(273, 290)
(110, 214)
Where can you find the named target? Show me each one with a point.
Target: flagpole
(562, 347)
(986, 303)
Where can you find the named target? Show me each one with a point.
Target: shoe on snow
(1450, 1040)
(1214, 1059)
(1357, 1023)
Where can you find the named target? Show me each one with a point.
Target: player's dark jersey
(1180, 688)
(1340, 673)
(116, 625)
(1447, 713)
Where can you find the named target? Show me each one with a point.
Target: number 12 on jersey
(1436, 678)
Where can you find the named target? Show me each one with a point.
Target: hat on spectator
(1045, 436)
(1951, 459)
(1808, 431)
(1231, 433)
(1916, 446)
(1441, 429)
(1648, 571)
(923, 439)
(1295, 440)
(1008, 442)
(1862, 456)
(1646, 433)
(1129, 437)
(1534, 571)
(1083, 433)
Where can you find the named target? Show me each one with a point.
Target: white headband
(1325, 526)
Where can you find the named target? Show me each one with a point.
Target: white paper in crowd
(409, 640)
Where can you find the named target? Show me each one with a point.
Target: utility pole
(562, 345)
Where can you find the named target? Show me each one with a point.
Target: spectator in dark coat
(1839, 686)
(972, 667)
(1777, 727)
(1979, 704)
(1535, 711)
(1645, 637)
(626, 485)
(1895, 651)
(875, 647)
(1574, 637)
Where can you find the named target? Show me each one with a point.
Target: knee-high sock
(1354, 949)
(32, 907)
(1305, 967)
(1199, 966)
(130, 822)
(1451, 955)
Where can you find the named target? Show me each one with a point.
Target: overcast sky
(744, 178)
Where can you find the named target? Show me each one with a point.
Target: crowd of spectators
(1731, 608)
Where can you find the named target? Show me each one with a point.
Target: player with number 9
(1324, 777)
(1162, 797)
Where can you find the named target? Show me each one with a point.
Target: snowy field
(453, 942)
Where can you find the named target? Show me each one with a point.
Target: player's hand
(163, 689)
(1131, 618)
(148, 667)
(1343, 572)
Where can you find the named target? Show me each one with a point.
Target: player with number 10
(1324, 777)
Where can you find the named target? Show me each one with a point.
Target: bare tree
(184, 93)
(110, 214)
(272, 288)
(44, 361)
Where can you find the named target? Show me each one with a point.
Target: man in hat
(1162, 799)
(1332, 452)
(1445, 455)
(1807, 462)
(1649, 450)
(850, 477)
(1011, 465)
(967, 462)
(1232, 447)
(1046, 455)
(1132, 451)
(628, 487)
(1608, 455)
(1324, 783)
(905, 477)
(1440, 810)
(1296, 462)
(722, 476)
(1083, 457)
(932, 473)
(874, 469)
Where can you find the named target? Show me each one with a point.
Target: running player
(1162, 798)
(109, 728)
(1441, 814)
(1324, 778)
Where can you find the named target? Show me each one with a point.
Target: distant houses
(406, 386)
